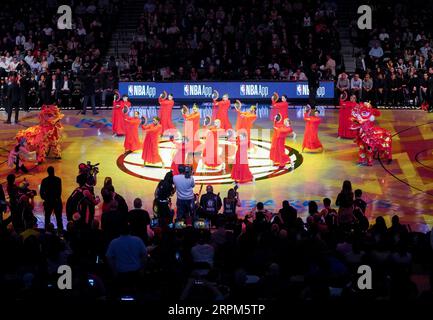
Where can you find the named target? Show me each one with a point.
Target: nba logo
(186, 90)
(299, 90)
(242, 89)
(130, 90)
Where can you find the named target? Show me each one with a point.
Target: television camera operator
(184, 183)
(87, 180)
(25, 205)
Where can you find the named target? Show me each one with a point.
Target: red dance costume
(150, 144)
(241, 170)
(165, 110)
(220, 110)
(132, 142)
(311, 141)
(279, 108)
(245, 122)
(179, 157)
(191, 128)
(211, 157)
(344, 120)
(278, 146)
(117, 117)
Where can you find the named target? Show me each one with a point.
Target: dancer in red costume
(220, 110)
(278, 146)
(166, 104)
(191, 127)
(150, 152)
(311, 141)
(344, 118)
(281, 107)
(118, 123)
(241, 171)
(180, 155)
(132, 142)
(211, 156)
(245, 120)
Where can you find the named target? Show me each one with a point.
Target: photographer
(82, 201)
(51, 193)
(184, 183)
(211, 204)
(25, 204)
(163, 194)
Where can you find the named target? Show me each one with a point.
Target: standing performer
(180, 155)
(220, 110)
(281, 107)
(245, 120)
(311, 141)
(278, 149)
(241, 171)
(191, 127)
(132, 142)
(117, 119)
(211, 157)
(166, 104)
(344, 118)
(150, 144)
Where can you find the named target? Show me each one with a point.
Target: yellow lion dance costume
(44, 137)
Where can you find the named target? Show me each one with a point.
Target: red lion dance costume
(371, 140)
(44, 137)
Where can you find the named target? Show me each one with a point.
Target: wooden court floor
(404, 187)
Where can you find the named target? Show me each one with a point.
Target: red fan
(275, 97)
(278, 117)
(125, 109)
(238, 105)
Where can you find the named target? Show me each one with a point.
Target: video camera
(24, 189)
(88, 168)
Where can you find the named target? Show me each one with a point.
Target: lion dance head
(44, 138)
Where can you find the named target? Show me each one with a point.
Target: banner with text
(235, 90)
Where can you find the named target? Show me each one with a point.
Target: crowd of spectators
(215, 40)
(266, 255)
(395, 58)
(51, 64)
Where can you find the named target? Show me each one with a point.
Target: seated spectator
(288, 214)
(203, 253)
(126, 256)
(356, 86)
(343, 85)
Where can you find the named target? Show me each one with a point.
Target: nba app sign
(302, 90)
(254, 90)
(144, 91)
(197, 90)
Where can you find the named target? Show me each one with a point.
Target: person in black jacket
(89, 93)
(13, 97)
(211, 204)
(51, 193)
